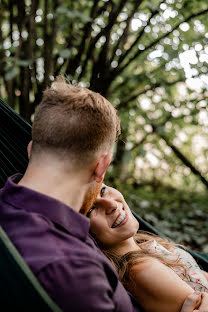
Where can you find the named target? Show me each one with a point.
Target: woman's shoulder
(157, 285)
(144, 266)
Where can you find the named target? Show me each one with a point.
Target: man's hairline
(75, 158)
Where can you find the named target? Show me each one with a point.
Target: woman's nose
(108, 205)
(111, 207)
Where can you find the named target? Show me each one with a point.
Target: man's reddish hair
(74, 121)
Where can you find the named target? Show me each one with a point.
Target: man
(73, 134)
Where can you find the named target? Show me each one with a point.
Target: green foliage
(72, 15)
(11, 73)
(23, 63)
(65, 53)
(181, 216)
(150, 59)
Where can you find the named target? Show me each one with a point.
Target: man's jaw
(90, 198)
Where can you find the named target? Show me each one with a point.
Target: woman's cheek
(96, 225)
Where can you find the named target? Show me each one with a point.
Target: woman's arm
(157, 287)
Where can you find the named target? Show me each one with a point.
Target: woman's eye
(90, 211)
(102, 191)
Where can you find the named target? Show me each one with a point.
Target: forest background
(150, 59)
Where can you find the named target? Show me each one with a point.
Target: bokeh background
(150, 59)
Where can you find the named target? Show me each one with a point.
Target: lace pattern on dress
(195, 278)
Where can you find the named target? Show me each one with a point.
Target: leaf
(62, 10)
(65, 53)
(73, 15)
(24, 63)
(127, 157)
(160, 130)
(82, 17)
(141, 151)
(12, 73)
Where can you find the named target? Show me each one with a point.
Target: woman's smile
(120, 220)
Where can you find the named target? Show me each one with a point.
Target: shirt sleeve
(78, 286)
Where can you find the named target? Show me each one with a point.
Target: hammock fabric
(15, 134)
(19, 288)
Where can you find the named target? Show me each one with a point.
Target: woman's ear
(101, 167)
(29, 148)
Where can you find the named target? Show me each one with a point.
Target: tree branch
(175, 150)
(119, 69)
(85, 39)
(122, 40)
(183, 158)
(75, 62)
(126, 53)
(128, 79)
(156, 85)
(112, 18)
(11, 18)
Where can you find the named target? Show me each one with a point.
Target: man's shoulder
(84, 283)
(83, 259)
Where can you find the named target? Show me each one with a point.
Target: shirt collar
(32, 201)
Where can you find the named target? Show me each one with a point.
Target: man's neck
(68, 188)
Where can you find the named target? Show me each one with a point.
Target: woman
(157, 272)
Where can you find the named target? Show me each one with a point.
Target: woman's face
(111, 221)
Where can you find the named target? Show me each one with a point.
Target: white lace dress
(194, 278)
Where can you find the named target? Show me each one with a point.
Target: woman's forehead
(110, 189)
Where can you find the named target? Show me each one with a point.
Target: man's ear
(101, 167)
(29, 148)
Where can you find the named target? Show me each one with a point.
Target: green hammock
(15, 276)
(19, 288)
(15, 133)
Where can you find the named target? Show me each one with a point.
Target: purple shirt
(54, 241)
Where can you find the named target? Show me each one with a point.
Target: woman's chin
(130, 232)
(133, 225)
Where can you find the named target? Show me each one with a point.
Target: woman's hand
(196, 302)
